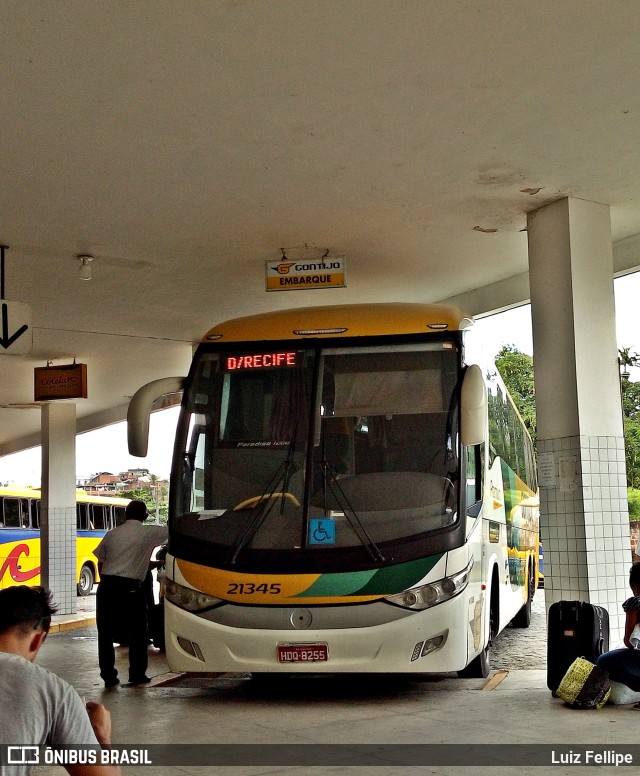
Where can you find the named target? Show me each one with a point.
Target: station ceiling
(184, 144)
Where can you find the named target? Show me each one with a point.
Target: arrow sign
(16, 336)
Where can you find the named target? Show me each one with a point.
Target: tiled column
(58, 509)
(584, 513)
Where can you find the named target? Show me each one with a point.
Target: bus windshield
(312, 449)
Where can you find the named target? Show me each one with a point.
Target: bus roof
(81, 496)
(355, 320)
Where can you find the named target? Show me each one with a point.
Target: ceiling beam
(514, 291)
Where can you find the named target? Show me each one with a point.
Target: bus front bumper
(195, 644)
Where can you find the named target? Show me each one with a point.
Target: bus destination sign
(240, 362)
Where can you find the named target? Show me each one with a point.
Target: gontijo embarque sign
(288, 275)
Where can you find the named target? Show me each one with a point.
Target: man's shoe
(112, 683)
(140, 680)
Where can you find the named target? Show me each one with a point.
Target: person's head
(136, 510)
(25, 619)
(634, 579)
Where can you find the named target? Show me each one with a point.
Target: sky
(105, 450)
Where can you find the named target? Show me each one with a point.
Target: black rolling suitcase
(575, 629)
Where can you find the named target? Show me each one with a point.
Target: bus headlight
(418, 598)
(187, 598)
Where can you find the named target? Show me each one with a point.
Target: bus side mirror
(473, 407)
(140, 410)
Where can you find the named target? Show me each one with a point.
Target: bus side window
(99, 517)
(474, 472)
(82, 521)
(11, 516)
(24, 513)
(28, 513)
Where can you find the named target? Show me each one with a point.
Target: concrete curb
(66, 625)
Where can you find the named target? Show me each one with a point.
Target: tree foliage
(149, 497)
(516, 369)
(632, 450)
(627, 358)
(631, 415)
(630, 399)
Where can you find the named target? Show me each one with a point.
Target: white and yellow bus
(349, 494)
(20, 535)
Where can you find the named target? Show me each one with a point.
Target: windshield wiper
(329, 479)
(265, 502)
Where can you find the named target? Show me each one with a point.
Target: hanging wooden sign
(60, 382)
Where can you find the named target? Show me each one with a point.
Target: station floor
(342, 724)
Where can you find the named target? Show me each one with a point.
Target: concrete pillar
(584, 511)
(58, 508)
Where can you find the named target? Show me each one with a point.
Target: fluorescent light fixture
(312, 332)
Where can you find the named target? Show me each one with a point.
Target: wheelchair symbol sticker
(322, 530)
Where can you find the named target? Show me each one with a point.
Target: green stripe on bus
(395, 579)
(344, 583)
(385, 581)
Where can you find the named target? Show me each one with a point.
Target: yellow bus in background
(20, 535)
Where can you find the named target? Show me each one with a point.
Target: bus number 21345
(249, 588)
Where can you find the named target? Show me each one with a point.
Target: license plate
(302, 653)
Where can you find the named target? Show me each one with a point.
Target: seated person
(36, 706)
(623, 665)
